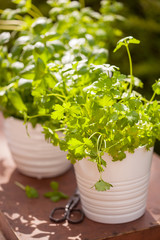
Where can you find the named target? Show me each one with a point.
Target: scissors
(69, 212)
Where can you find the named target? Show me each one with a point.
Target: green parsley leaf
(55, 195)
(54, 185)
(30, 191)
(58, 113)
(74, 143)
(132, 117)
(88, 142)
(102, 185)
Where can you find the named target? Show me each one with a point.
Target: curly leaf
(58, 113)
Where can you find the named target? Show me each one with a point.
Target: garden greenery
(105, 116)
(54, 72)
(55, 195)
(35, 48)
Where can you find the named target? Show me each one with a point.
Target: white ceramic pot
(126, 200)
(34, 156)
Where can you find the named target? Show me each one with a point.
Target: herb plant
(104, 115)
(35, 47)
(55, 195)
(30, 191)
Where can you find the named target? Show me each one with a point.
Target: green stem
(141, 98)
(98, 145)
(82, 2)
(131, 68)
(20, 185)
(94, 134)
(33, 14)
(19, 17)
(38, 115)
(115, 143)
(100, 177)
(34, 8)
(60, 129)
(57, 95)
(154, 94)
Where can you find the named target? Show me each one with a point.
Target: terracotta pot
(126, 200)
(33, 155)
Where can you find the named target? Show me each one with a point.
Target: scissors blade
(74, 200)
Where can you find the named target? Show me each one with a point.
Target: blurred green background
(142, 20)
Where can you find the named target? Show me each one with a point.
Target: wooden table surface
(26, 219)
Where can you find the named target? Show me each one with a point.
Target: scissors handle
(70, 215)
(72, 218)
(58, 210)
(69, 212)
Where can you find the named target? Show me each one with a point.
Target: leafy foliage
(102, 113)
(102, 186)
(35, 47)
(30, 191)
(54, 72)
(55, 195)
(142, 16)
(125, 41)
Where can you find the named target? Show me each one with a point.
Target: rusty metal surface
(28, 219)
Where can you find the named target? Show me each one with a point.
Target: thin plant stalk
(35, 9)
(33, 14)
(131, 68)
(57, 95)
(152, 98)
(20, 185)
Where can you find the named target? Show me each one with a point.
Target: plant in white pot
(110, 130)
(18, 67)
(30, 57)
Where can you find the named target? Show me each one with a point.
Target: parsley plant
(102, 113)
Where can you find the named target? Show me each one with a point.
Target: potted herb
(110, 130)
(31, 153)
(31, 54)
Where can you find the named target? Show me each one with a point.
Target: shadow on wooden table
(29, 218)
